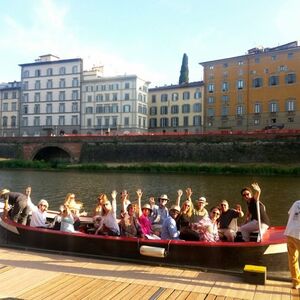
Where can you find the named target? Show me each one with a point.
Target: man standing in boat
(292, 232)
(20, 209)
(255, 218)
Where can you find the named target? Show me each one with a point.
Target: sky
(145, 38)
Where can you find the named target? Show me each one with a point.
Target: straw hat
(175, 207)
(4, 191)
(164, 197)
(203, 200)
(147, 206)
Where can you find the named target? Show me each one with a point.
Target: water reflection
(278, 193)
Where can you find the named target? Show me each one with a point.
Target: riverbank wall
(264, 148)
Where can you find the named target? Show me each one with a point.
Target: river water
(278, 193)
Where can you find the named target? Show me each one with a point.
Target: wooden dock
(32, 275)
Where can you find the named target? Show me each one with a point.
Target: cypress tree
(184, 71)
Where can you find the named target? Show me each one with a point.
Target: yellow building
(255, 91)
(176, 108)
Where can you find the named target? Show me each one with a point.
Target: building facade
(176, 108)
(113, 105)
(50, 96)
(255, 91)
(9, 114)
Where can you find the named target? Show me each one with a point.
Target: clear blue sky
(146, 38)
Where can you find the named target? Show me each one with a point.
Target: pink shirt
(145, 224)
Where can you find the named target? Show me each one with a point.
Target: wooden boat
(270, 252)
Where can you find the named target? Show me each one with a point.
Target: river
(278, 193)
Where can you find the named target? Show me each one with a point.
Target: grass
(190, 168)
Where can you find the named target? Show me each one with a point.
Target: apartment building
(9, 113)
(176, 108)
(254, 91)
(113, 105)
(51, 96)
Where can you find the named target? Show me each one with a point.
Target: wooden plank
(196, 296)
(97, 290)
(165, 294)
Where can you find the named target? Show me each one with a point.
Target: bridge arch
(52, 153)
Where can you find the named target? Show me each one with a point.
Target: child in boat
(39, 214)
(109, 223)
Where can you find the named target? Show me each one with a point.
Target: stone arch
(52, 154)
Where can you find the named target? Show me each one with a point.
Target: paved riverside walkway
(37, 275)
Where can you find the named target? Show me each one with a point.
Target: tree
(184, 71)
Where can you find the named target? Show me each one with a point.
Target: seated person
(108, 224)
(67, 220)
(169, 228)
(159, 214)
(252, 223)
(208, 226)
(39, 214)
(57, 219)
(228, 221)
(199, 210)
(18, 201)
(129, 224)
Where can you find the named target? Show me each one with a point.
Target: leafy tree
(184, 71)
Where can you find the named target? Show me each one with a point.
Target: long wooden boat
(270, 252)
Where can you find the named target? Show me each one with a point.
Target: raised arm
(257, 191)
(114, 202)
(179, 195)
(139, 194)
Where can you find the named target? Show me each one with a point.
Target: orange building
(255, 91)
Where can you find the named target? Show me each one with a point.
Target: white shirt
(293, 225)
(38, 218)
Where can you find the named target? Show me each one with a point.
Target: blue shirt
(169, 229)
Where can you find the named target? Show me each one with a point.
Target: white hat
(175, 207)
(4, 191)
(164, 196)
(203, 200)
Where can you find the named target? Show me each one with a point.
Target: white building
(113, 104)
(9, 112)
(51, 95)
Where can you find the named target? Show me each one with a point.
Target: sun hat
(203, 200)
(164, 197)
(4, 191)
(175, 207)
(147, 206)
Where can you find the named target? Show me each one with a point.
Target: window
(290, 105)
(24, 121)
(89, 110)
(13, 121)
(49, 72)
(273, 107)
(126, 96)
(164, 122)
(186, 121)
(239, 110)
(75, 69)
(290, 78)
(89, 122)
(290, 55)
(153, 98)
(210, 100)
(126, 121)
(114, 121)
(49, 121)
(225, 99)
(61, 120)
(257, 108)
(174, 122)
(49, 84)
(75, 95)
(74, 107)
(225, 111)
(257, 82)
(153, 111)
(186, 96)
(225, 87)
(36, 108)
(49, 108)
(37, 97)
(127, 85)
(74, 120)
(197, 95)
(106, 121)
(174, 109)
(152, 123)
(62, 71)
(89, 98)
(62, 96)
(62, 83)
(61, 107)
(211, 67)
(257, 60)
(164, 97)
(25, 97)
(36, 121)
(4, 121)
(114, 96)
(126, 108)
(240, 84)
(175, 97)
(75, 82)
(164, 110)
(37, 73)
(196, 107)
(14, 106)
(25, 109)
(5, 106)
(240, 63)
(273, 57)
(25, 85)
(197, 121)
(26, 74)
(210, 87)
(273, 80)
(37, 84)
(106, 97)
(185, 108)
(49, 96)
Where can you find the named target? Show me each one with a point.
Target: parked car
(274, 126)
